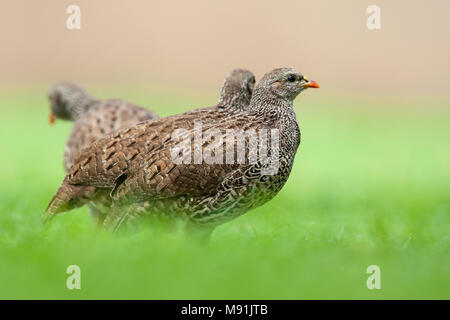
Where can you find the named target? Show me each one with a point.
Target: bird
(235, 96)
(93, 118)
(137, 164)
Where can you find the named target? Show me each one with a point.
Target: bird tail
(67, 197)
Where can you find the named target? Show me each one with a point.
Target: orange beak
(51, 118)
(312, 84)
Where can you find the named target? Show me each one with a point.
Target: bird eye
(292, 78)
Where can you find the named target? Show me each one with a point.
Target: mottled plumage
(93, 118)
(136, 165)
(234, 97)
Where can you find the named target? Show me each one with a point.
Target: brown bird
(144, 165)
(234, 97)
(93, 118)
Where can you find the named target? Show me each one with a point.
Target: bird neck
(267, 104)
(233, 100)
(79, 106)
(278, 113)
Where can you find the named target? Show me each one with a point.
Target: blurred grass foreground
(370, 186)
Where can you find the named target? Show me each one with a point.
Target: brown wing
(138, 163)
(102, 118)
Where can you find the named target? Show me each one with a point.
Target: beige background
(193, 44)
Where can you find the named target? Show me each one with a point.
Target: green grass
(370, 185)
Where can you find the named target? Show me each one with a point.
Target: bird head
(67, 101)
(285, 83)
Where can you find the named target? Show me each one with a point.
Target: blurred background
(370, 183)
(195, 44)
